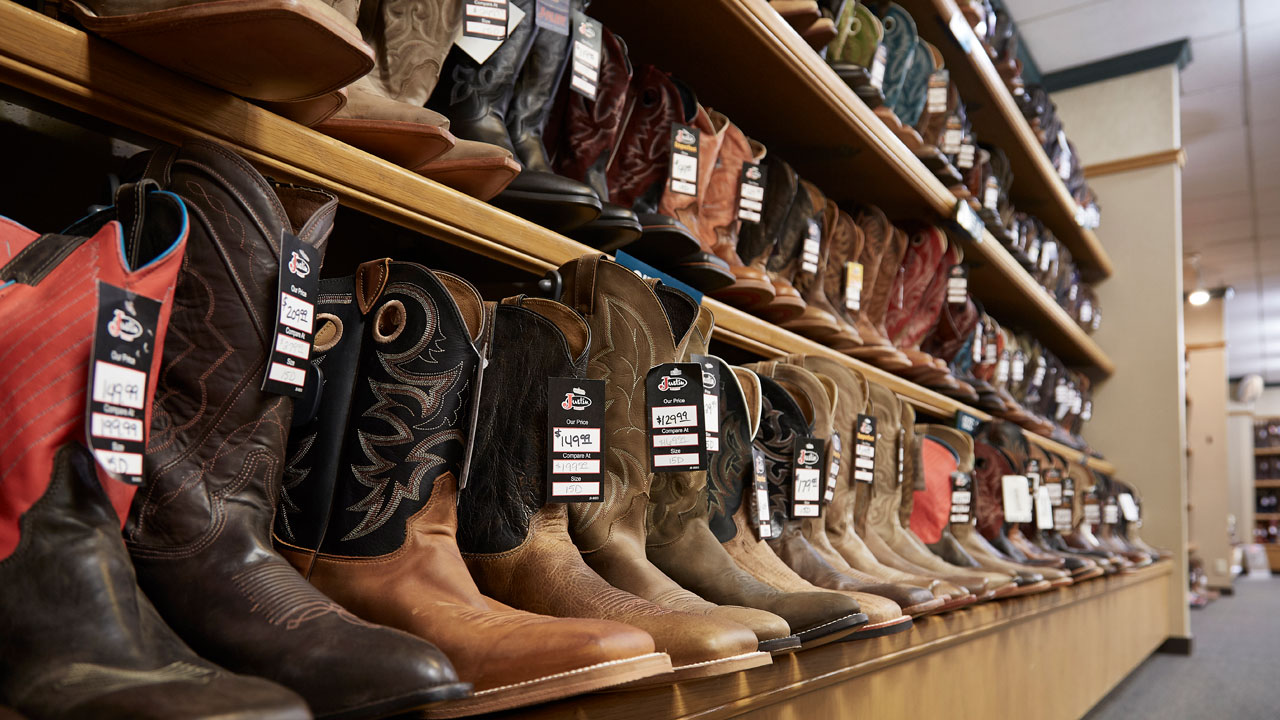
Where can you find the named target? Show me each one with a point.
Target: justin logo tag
(586, 29)
(124, 326)
(576, 400)
(672, 382)
(708, 381)
(866, 427)
(808, 457)
(759, 466)
(298, 264)
(753, 173)
(684, 137)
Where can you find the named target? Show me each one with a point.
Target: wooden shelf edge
(1260, 452)
(1266, 483)
(1267, 516)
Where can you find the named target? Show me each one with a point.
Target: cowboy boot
(951, 341)
(235, 46)
(915, 86)
(619, 308)
(680, 544)
(199, 529)
(784, 259)
(94, 646)
(386, 546)
(756, 241)
(1012, 451)
(702, 269)
(859, 36)
(900, 39)
(1081, 568)
(782, 421)
(917, 298)
(580, 136)
(819, 321)
(846, 245)
(932, 512)
(879, 241)
(833, 401)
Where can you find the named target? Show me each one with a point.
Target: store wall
(1208, 482)
(1139, 419)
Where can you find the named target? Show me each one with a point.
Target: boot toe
(806, 610)
(217, 696)
(766, 625)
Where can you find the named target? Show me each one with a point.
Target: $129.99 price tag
(675, 405)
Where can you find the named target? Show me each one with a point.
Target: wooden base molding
(1138, 162)
(1051, 655)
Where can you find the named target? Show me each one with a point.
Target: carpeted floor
(1233, 672)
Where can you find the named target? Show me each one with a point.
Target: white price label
(296, 313)
(1044, 509)
(576, 467)
(566, 439)
(119, 385)
(675, 416)
(1017, 499)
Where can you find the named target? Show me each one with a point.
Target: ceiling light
(1198, 297)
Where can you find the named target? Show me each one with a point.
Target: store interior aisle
(1232, 672)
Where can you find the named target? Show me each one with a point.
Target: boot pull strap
(131, 211)
(584, 283)
(516, 300)
(371, 280)
(159, 163)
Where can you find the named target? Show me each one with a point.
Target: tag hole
(330, 332)
(389, 322)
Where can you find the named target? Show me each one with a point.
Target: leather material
(635, 326)
(879, 242)
(845, 246)
(54, 279)
(638, 168)
(687, 209)
(199, 530)
(581, 133)
(915, 85)
(819, 320)
(783, 262)
(534, 91)
(756, 240)
(95, 647)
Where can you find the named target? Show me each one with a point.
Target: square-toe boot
(514, 541)
(77, 636)
(580, 136)
(828, 402)
(199, 530)
(878, 525)
(951, 342)
(680, 543)
(372, 516)
(846, 246)
(819, 320)
(637, 168)
(781, 421)
(1029, 580)
(702, 269)
(1059, 470)
(235, 46)
(784, 260)
(636, 325)
(1003, 446)
(916, 300)
(756, 240)
(858, 37)
(879, 241)
(1080, 567)
(718, 211)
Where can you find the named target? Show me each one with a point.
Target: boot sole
(416, 701)
(831, 631)
(958, 603)
(1019, 590)
(1089, 574)
(779, 646)
(481, 178)
(561, 212)
(554, 687)
(710, 668)
(924, 608)
(406, 144)
(888, 627)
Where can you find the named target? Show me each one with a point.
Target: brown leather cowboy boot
(756, 241)
(514, 541)
(703, 269)
(918, 299)
(199, 531)
(845, 246)
(381, 462)
(636, 326)
(719, 211)
(881, 255)
(784, 260)
(819, 320)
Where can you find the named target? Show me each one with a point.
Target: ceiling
(1230, 130)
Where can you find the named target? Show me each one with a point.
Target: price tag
(684, 159)
(878, 62)
(1086, 312)
(952, 136)
(1017, 367)
(806, 477)
(958, 285)
(1128, 507)
(1041, 367)
(1086, 411)
(486, 19)
(760, 495)
(991, 195)
(1017, 499)
(1002, 371)
(902, 442)
(1097, 320)
(853, 286)
(298, 281)
(834, 465)
(710, 400)
(976, 346)
(1033, 251)
(553, 15)
(1064, 157)
(968, 220)
(1048, 253)
(966, 422)
(1053, 481)
(124, 340)
(1062, 519)
(1092, 511)
(1110, 512)
(967, 153)
(864, 449)
(936, 99)
(575, 439)
(809, 254)
(989, 351)
(588, 39)
(673, 399)
(961, 498)
(1044, 509)
(751, 192)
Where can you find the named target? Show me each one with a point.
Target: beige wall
(1139, 419)
(1208, 480)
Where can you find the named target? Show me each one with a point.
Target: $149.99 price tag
(575, 440)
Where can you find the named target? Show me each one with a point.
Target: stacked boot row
(383, 541)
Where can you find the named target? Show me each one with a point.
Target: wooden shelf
(1037, 188)
(54, 61)
(1108, 625)
(1266, 516)
(792, 101)
(1266, 451)
(1266, 483)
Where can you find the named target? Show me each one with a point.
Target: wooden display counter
(1051, 655)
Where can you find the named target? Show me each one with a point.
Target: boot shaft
(730, 475)
(638, 165)
(851, 401)
(535, 89)
(921, 265)
(756, 240)
(581, 134)
(846, 247)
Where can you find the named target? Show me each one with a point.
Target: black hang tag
(953, 137)
(834, 465)
(902, 442)
(588, 41)
(961, 498)
(751, 192)
(124, 341)
(485, 19)
(673, 399)
(552, 15)
(1033, 474)
(575, 440)
(710, 400)
(966, 422)
(1092, 511)
(806, 477)
(295, 318)
(967, 154)
(810, 251)
(684, 159)
(760, 515)
(864, 449)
